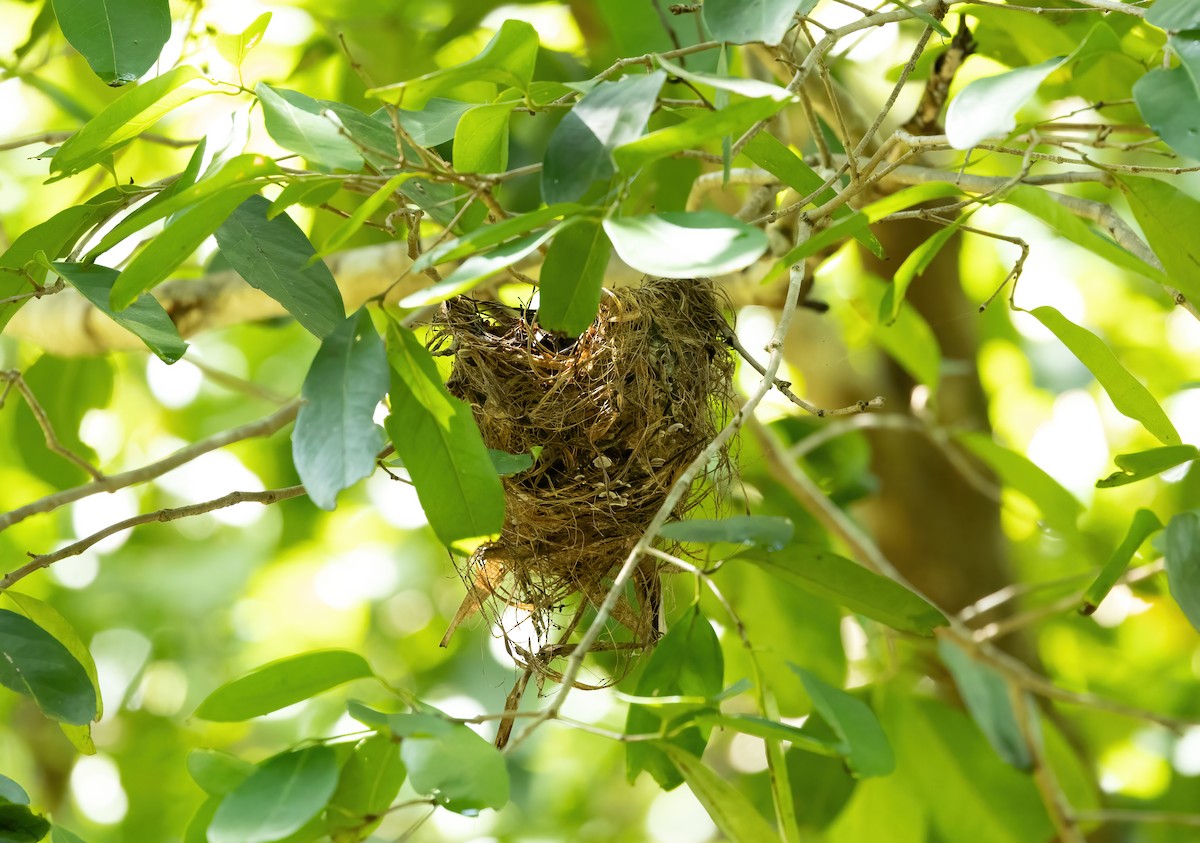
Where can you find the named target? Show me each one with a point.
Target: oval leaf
(686, 244)
(440, 445)
(1059, 508)
(34, 663)
(986, 696)
(868, 751)
(217, 772)
(1169, 218)
(571, 277)
(687, 662)
(127, 117)
(771, 532)
(450, 762)
(281, 683)
(144, 317)
(729, 808)
(120, 39)
(1181, 546)
(746, 21)
(579, 152)
(369, 782)
(278, 798)
(273, 256)
(296, 122)
(989, 106)
(850, 585)
(1127, 393)
(336, 440)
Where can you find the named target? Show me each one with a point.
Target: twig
(1119, 815)
(262, 427)
(1043, 774)
(43, 421)
(785, 388)
(162, 515)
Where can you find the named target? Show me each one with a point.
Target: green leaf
(506, 463)
(12, 792)
(53, 238)
(296, 122)
(232, 179)
(272, 255)
(571, 277)
(774, 156)
(746, 21)
(67, 389)
(350, 226)
(687, 662)
(278, 798)
(1128, 395)
(34, 663)
(768, 531)
(233, 48)
(50, 620)
(1170, 103)
(125, 118)
(1174, 15)
(58, 834)
(1059, 507)
(1041, 204)
(987, 699)
(1168, 218)
(1143, 464)
(120, 39)
(481, 141)
(580, 150)
(909, 339)
(508, 59)
(989, 106)
(177, 242)
(310, 192)
(18, 824)
(436, 437)
(849, 584)
(1143, 525)
(368, 785)
(772, 730)
(686, 244)
(281, 683)
(864, 743)
(144, 317)
(217, 772)
(449, 761)
(914, 265)
(436, 122)
(730, 810)
(695, 131)
(949, 769)
(478, 267)
(489, 235)
(336, 440)
(1181, 546)
(750, 88)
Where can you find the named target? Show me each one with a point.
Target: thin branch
(262, 427)
(785, 388)
(1118, 815)
(162, 515)
(43, 421)
(1043, 774)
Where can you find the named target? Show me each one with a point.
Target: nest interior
(618, 414)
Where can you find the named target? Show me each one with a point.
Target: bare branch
(262, 427)
(43, 421)
(162, 515)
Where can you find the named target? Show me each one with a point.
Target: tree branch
(262, 427)
(162, 515)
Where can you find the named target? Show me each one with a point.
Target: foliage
(239, 217)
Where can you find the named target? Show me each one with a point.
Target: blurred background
(173, 611)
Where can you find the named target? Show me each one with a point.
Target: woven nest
(618, 414)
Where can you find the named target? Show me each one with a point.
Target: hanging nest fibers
(617, 414)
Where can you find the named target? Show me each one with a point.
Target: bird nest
(615, 416)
